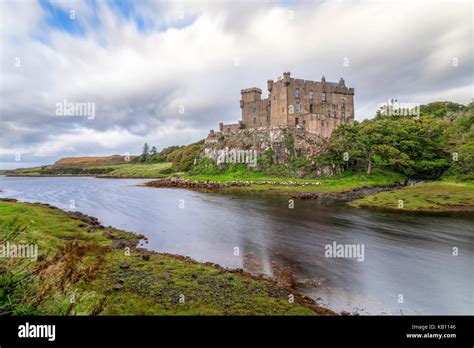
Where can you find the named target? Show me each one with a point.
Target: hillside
(87, 162)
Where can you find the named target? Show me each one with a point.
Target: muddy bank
(445, 209)
(355, 193)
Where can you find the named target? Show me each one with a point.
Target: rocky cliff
(285, 143)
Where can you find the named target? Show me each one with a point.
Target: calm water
(405, 254)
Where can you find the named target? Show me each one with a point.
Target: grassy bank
(84, 269)
(151, 170)
(435, 196)
(338, 184)
(132, 170)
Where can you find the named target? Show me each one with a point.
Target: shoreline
(437, 197)
(132, 241)
(362, 196)
(81, 176)
(352, 196)
(445, 210)
(236, 186)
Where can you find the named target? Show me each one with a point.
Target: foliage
(289, 142)
(205, 166)
(441, 109)
(145, 153)
(411, 146)
(183, 157)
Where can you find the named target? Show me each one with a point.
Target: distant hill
(86, 162)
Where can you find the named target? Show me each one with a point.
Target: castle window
(297, 107)
(343, 103)
(268, 119)
(254, 120)
(254, 110)
(304, 122)
(311, 94)
(311, 110)
(343, 116)
(297, 93)
(296, 120)
(323, 96)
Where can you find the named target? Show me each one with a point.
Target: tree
(414, 147)
(145, 152)
(441, 109)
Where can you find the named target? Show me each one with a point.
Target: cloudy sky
(167, 72)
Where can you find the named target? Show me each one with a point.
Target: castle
(316, 106)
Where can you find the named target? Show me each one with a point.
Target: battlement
(251, 90)
(250, 95)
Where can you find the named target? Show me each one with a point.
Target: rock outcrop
(280, 139)
(284, 142)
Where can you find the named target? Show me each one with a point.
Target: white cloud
(139, 78)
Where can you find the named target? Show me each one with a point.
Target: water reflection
(405, 254)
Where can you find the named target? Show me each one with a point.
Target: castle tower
(251, 94)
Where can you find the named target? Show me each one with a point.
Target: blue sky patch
(59, 18)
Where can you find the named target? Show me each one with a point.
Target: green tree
(145, 153)
(414, 147)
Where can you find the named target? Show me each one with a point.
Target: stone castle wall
(319, 106)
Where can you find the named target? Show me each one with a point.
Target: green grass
(435, 196)
(148, 170)
(342, 183)
(85, 266)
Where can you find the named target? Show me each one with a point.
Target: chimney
(286, 78)
(342, 82)
(270, 85)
